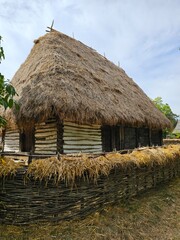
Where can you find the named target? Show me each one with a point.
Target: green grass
(154, 215)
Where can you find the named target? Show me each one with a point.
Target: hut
(72, 99)
(176, 130)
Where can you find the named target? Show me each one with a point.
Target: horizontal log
(12, 139)
(12, 143)
(80, 147)
(51, 137)
(66, 151)
(45, 152)
(45, 127)
(12, 146)
(39, 135)
(12, 132)
(82, 126)
(51, 141)
(12, 135)
(7, 142)
(11, 149)
(45, 130)
(80, 134)
(46, 123)
(68, 128)
(85, 142)
(12, 129)
(45, 146)
(79, 138)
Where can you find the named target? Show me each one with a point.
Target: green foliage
(7, 91)
(166, 110)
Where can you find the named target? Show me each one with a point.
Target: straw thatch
(64, 77)
(68, 168)
(177, 128)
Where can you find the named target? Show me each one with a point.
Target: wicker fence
(23, 200)
(171, 141)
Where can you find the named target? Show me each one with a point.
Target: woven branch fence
(24, 200)
(171, 141)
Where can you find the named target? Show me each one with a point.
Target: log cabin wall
(130, 138)
(111, 138)
(81, 138)
(11, 140)
(143, 137)
(46, 137)
(106, 138)
(156, 137)
(59, 136)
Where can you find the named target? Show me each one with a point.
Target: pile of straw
(68, 168)
(8, 167)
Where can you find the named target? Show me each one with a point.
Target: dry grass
(88, 166)
(154, 215)
(8, 166)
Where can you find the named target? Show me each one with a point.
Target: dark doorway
(27, 140)
(110, 138)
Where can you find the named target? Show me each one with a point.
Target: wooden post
(60, 131)
(137, 137)
(30, 158)
(113, 138)
(150, 137)
(161, 137)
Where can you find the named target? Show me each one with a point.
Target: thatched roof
(177, 128)
(62, 76)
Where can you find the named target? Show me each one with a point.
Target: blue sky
(142, 35)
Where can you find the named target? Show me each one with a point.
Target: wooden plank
(12, 140)
(45, 130)
(12, 131)
(67, 128)
(66, 151)
(46, 146)
(45, 124)
(12, 135)
(82, 126)
(46, 134)
(79, 134)
(45, 152)
(81, 147)
(77, 139)
(83, 142)
(46, 141)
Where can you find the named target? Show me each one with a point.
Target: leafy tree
(7, 91)
(165, 108)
